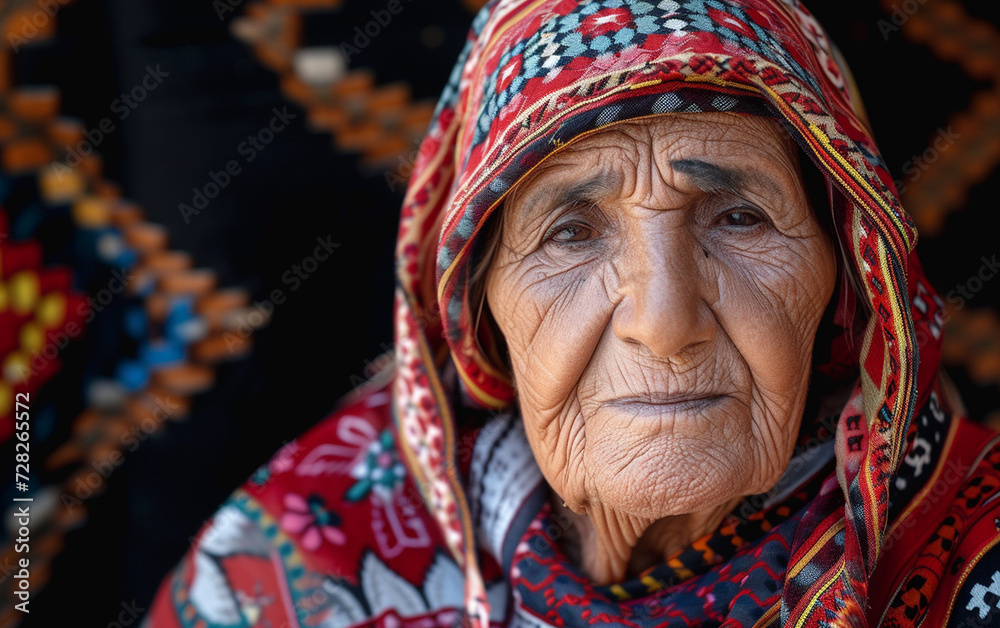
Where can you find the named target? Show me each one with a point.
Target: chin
(663, 465)
(685, 485)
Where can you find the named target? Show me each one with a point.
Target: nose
(664, 290)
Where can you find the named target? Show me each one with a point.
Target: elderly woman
(664, 356)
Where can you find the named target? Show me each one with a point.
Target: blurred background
(198, 204)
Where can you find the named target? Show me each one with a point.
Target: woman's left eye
(740, 218)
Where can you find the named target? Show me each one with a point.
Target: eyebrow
(712, 178)
(587, 192)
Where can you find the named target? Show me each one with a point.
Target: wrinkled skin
(659, 285)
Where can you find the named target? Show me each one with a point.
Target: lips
(658, 403)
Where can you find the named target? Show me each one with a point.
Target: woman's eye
(740, 218)
(572, 233)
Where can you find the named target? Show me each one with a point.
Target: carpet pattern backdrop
(198, 196)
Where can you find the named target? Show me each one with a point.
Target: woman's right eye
(571, 233)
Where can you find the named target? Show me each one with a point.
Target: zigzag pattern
(176, 315)
(381, 123)
(952, 34)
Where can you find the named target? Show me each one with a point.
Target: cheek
(771, 309)
(552, 325)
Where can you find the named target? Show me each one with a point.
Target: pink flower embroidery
(310, 519)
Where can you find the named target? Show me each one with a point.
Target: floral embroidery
(380, 470)
(310, 519)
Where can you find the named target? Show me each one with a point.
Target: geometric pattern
(380, 123)
(158, 325)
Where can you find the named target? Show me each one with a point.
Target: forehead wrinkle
(617, 153)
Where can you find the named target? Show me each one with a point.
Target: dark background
(302, 187)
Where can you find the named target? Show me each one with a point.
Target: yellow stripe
(824, 139)
(768, 616)
(646, 84)
(652, 584)
(619, 592)
(866, 476)
(480, 394)
(903, 352)
(528, 112)
(812, 602)
(823, 540)
(486, 366)
(819, 134)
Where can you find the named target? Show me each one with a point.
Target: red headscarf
(538, 75)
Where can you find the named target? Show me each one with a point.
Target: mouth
(657, 403)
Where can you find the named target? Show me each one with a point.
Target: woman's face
(659, 285)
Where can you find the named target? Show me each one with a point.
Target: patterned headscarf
(538, 74)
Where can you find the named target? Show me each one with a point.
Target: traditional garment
(418, 502)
